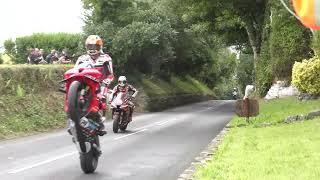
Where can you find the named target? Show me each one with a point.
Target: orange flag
(309, 12)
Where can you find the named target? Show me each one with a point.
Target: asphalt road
(156, 146)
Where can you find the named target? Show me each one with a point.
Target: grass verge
(275, 111)
(28, 114)
(281, 151)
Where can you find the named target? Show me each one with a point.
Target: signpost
(247, 107)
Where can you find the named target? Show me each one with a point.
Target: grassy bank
(31, 113)
(280, 151)
(30, 101)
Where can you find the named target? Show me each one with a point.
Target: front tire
(116, 120)
(74, 111)
(123, 127)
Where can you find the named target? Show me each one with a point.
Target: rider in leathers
(103, 63)
(124, 87)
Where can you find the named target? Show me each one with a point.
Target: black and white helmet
(122, 80)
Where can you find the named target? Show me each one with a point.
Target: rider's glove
(131, 98)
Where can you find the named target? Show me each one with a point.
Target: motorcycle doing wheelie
(83, 106)
(120, 111)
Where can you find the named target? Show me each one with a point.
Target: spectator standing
(52, 57)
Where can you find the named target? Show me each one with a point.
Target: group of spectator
(36, 56)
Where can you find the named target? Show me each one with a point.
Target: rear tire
(116, 120)
(88, 162)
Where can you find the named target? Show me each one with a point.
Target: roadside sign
(247, 108)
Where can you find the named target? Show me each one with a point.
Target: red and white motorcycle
(82, 104)
(120, 111)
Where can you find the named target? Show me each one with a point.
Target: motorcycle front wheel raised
(88, 161)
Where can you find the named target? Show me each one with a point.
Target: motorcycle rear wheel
(88, 162)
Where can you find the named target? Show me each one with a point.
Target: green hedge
(29, 79)
(58, 41)
(306, 75)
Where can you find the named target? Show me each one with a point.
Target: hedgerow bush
(58, 41)
(26, 79)
(306, 75)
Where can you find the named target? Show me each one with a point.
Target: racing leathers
(127, 88)
(103, 63)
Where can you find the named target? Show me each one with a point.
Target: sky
(24, 17)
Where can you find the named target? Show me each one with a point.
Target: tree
(289, 42)
(163, 37)
(252, 14)
(246, 25)
(238, 22)
(9, 46)
(244, 71)
(143, 46)
(120, 12)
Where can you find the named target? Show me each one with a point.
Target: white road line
(1, 147)
(160, 124)
(130, 134)
(14, 171)
(209, 108)
(150, 125)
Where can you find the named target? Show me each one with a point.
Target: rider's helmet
(122, 81)
(93, 45)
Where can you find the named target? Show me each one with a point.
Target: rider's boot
(101, 130)
(130, 114)
(98, 150)
(69, 126)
